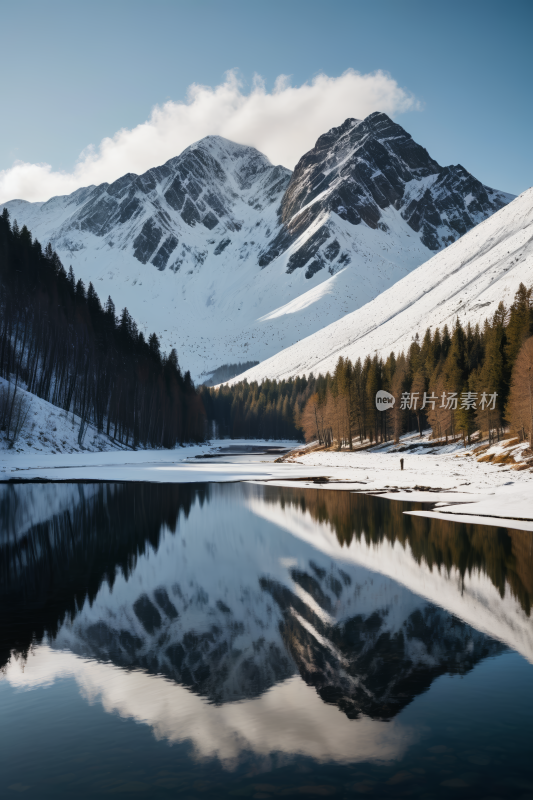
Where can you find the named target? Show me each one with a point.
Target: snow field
(467, 280)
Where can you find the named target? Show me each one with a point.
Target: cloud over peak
(283, 124)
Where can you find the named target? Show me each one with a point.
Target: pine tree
(445, 344)
(399, 385)
(93, 302)
(455, 365)
(372, 387)
(438, 414)
(71, 281)
(488, 379)
(520, 325)
(155, 348)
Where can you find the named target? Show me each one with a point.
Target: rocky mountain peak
(363, 167)
(208, 186)
(245, 164)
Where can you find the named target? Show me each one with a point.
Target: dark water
(245, 641)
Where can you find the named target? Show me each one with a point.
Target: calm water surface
(247, 641)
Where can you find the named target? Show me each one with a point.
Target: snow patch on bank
(49, 429)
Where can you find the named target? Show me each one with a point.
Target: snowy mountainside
(232, 259)
(465, 281)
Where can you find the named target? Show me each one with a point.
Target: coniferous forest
(484, 372)
(268, 410)
(59, 342)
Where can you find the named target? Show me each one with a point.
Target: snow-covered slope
(49, 429)
(467, 280)
(230, 259)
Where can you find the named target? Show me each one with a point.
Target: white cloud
(283, 124)
(290, 718)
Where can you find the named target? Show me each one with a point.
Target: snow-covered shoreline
(463, 488)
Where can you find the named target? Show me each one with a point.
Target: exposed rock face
(205, 186)
(363, 167)
(360, 664)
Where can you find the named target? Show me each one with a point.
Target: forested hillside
(257, 411)
(61, 344)
(456, 381)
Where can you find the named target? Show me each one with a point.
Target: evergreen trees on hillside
(58, 341)
(456, 381)
(257, 411)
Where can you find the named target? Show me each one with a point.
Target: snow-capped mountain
(232, 259)
(466, 281)
(363, 168)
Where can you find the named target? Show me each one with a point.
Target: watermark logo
(449, 400)
(384, 400)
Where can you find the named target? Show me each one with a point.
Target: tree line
(60, 343)
(455, 381)
(257, 411)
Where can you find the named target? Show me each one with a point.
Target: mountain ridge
(232, 259)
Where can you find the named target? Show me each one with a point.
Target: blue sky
(74, 73)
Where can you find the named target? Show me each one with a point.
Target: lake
(241, 640)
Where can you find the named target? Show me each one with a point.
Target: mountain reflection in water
(289, 631)
(201, 584)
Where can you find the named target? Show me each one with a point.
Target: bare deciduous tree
(310, 419)
(14, 408)
(520, 409)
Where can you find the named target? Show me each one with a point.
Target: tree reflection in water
(50, 569)
(504, 555)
